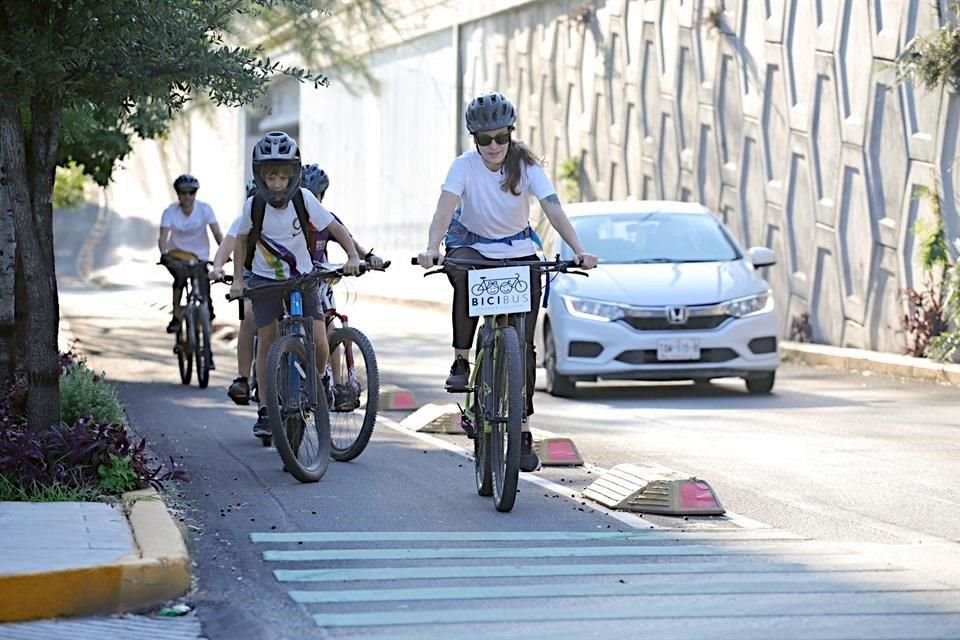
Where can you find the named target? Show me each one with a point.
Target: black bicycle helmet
(315, 179)
(490, 111)
(185, 182)
(276, 150)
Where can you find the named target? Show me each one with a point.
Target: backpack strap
(301, 208)
(257, 210)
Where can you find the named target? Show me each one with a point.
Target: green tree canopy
(78, 78)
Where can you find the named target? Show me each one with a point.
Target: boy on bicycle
(317, 181)
(278, 248)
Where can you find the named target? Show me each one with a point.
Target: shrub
(84, 393)
(934, 306)
(84, 455)
(88, 456)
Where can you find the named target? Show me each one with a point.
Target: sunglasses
(188, 193)
(484, 139)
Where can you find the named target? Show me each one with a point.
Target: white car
(673, 298)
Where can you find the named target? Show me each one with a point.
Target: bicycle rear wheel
(507, 404)
(300, 434)
(201, 341)
(184, 354)
(354, 414)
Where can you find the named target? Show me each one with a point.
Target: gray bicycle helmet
(315, 179)
(185, 182)
(276, 150)
(490, 111)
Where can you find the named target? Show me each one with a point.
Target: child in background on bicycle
(317, 182)
(183, 239)
(280, 251)
(239, 389)
(492, 186)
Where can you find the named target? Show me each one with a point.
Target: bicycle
(354, 400)
(192, 342)
(494, 410)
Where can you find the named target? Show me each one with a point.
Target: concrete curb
(159, 572)
(889, 364)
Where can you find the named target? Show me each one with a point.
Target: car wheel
(558, 384)
(762, 383)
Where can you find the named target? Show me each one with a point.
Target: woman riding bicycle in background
(492, 186)
(183, 238)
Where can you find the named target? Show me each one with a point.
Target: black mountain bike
(193, 335)
(496, 403)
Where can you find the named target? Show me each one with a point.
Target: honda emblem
(677, 315)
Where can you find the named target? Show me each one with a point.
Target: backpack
(257, 210)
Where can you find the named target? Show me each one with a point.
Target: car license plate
(678, 349)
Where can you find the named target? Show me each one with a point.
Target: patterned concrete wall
(784, 116)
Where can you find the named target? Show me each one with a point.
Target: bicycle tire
(184, 356)
(508, 413)
(292, 423)
(201, 333)
(350, 431)
(254, 386)
(481, 438)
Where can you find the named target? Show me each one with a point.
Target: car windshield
(653, 237)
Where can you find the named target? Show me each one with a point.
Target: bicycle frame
(484, 370)
(293, 324)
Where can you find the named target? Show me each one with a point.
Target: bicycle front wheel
(357, 393)
(184, 355)
(507, 404)
(300, 434)
(476, 405)
(201, 341)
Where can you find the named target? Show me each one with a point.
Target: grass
(9, 492)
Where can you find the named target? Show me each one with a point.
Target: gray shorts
(268, 306)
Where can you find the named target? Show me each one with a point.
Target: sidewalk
(84, 558)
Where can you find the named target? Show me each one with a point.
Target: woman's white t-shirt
(282, 250)
(189, 232)
(491, 212)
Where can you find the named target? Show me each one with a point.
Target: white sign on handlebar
(498, 290)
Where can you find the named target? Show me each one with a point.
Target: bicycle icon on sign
(494, 286)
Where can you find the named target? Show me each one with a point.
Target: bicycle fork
(297, 376)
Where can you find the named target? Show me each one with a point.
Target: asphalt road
(832, 482)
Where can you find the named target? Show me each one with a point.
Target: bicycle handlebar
(320, 273)
(561, 266)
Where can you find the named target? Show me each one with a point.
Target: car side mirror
(762, 257)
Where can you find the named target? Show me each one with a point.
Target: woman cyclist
(492, 185)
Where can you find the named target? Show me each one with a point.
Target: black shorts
(268, 306)
(180, 271)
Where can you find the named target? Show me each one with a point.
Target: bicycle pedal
(458, 389)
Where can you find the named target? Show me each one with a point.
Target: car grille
(694, 323)
(649, 356)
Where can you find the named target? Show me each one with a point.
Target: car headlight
(591, 309)
(757, 303)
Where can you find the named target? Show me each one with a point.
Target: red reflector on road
(558, 452)
(695, 494)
